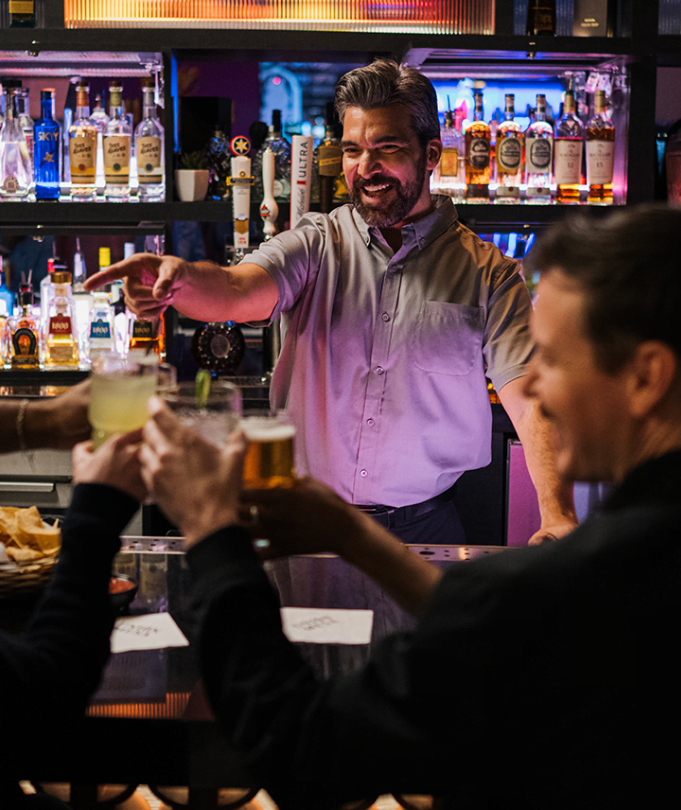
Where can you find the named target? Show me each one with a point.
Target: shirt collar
(425, 230)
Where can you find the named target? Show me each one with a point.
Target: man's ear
(433, 153)
(653, 371)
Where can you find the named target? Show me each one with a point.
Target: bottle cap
(46, 95)
(104, 257)
(61, 277)
(50, 266)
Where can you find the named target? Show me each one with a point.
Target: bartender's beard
(401, 202)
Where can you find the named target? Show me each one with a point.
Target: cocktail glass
(213, 417)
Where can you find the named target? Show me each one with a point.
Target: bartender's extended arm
(200, 290)
(556, 504)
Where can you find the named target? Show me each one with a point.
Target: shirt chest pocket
(448, 338)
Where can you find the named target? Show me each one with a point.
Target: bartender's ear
(653, 378)
(433, 153)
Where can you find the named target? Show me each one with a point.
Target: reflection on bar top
(32, 391)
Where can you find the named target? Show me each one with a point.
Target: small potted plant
(191, 178)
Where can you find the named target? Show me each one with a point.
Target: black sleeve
(310, 744)
(48, 675)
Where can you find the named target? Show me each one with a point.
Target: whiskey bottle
(24, 335)
(21, 14)
(15, 164)
(61, 336)
(117, 136)
(568, 147)
(219, 347)
(600, 153)
(149, 148)
(448, 179)
(46, 147)
(509, 155)
(328, 159)
(83, 148)
(538, 155)
(281, 147)
(478, 154)
(541, 18)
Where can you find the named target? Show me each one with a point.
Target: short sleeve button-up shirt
(385, 355)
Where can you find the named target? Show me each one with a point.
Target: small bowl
(122, 590)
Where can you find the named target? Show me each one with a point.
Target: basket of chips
(28, 550)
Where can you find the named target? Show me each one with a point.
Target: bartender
(393, 315)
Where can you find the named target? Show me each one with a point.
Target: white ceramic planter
(191, 184)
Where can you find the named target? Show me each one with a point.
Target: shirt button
(370, 422)
(379, 370)
(363, 473)
(385, 316)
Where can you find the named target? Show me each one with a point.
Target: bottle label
(21, 6)
(330, 160)
(449, 162)
(568, 161)
(116, 158)
(100, 330)
(11, 185)
(24, 342)
(509, 154)
(600, 157)
(143, 329)
(59, 325)
(479, 153)
(82, 154)
(149, 159)
(538, 155)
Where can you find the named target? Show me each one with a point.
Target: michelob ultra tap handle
(269, 208)
(241, 190)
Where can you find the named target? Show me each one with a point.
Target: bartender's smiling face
(385, 166)
(583, 403)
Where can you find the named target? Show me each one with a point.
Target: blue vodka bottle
(46, 151)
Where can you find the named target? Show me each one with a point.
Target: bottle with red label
(23, 334)
(61, 334)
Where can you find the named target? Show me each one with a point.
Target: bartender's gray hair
(384, 83)
(628, 266)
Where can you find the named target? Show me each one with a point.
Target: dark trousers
(441, 526)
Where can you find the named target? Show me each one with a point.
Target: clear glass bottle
(281, 147)
(327, 164)
(82, 300)
(600, 153)
(100, 119)
(568, 146)
(61, 335)
(478, 155)
(27, 124)
(101, 331)
(15, 163)
(149, 148)
(538, 155)
(24, 335)
(448, 171)
(46, 292)
(116, 142)
(83, 148)
(47, 141)
(218, 156)
(509, 155)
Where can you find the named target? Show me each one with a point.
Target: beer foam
(267, 433)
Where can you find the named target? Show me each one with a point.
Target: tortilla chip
(26, 536)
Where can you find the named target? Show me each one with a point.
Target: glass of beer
(269, 456)
(214, 416)
(120, 390)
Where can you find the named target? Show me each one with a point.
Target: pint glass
(269, 457)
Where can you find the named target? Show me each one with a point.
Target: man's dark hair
(384, 83)
(629, 266)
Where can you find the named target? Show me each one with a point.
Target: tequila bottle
(148, 336)
(46, 151)
(61, 336)
(101, 331)
(567, 148)
(22, 13)
(15, 163)
(24, 335)
(600, 153)
(83, 148)
(538, 155)
(509, 155)
(82, 300)
(117, 137)
(100, 119)
(448, 179)
(478, 153)
(328, 162)
(149, 150)
(276, 142)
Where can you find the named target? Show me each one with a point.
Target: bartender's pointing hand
(149, 281)
(195, 483)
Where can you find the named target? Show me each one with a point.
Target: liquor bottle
(27, 125)
(541, 18)
(100, 119)
(219, 347)
(21, 14)
(509, 155)
(6, 295)
(116, 139)
(61, 336)
(218, 156)
(46, 151)
(328, 160)
(98, 116)
(568, 147)
(148, 336)
(538, 155)
(15, 163)
(83, 148)
(478, 153)
(101, 330)
(600, 153)
(24, 335)
(449, 180)
(82, 300)
(46, 292)
(281, 147)
(149, 148)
